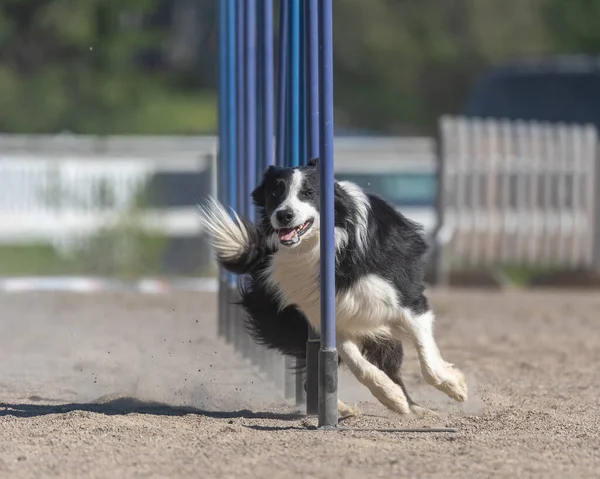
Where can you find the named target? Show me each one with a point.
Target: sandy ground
(81, 377)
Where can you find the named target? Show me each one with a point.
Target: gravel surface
(109, 385)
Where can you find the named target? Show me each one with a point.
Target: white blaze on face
(303, 211)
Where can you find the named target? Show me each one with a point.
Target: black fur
(396, 251)
(286, 331)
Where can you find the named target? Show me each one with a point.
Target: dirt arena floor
(112, 386)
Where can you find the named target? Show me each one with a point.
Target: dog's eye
(307, 193)
(278, 189)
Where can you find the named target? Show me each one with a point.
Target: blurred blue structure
(304, 88)
(520, 90)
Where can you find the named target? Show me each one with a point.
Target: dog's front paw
(453, 383)
(345, 411)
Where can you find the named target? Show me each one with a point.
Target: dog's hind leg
(381, 386)
(437, 372)
(387, 354)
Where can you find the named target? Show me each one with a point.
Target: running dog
(380, 262)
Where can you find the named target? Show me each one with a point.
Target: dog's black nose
(285, 216)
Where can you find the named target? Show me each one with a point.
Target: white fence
(519, 192)
(56, 189)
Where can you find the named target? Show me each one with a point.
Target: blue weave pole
(265, 116)
(267, 97)
(293, 150)
(301, 392)
(281, 82)
(239, 334)
(265, 87)
(298, 130)
(282, 124)
(223, 154)
(250, 110)
(292, 62)
(328, 357)
(232, 149)
(248, 167)
(241, 104)
(311, 90)
(302, 153)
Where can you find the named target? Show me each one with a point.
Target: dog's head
(290, 198)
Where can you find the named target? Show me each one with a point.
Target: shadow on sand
(127, 405)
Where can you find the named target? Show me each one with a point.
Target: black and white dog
(378, 278)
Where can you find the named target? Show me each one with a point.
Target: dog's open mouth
(290, 236)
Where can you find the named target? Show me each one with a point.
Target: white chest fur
(366, 308)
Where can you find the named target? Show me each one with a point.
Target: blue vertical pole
(250, 143)
(238, 332)
(241, 102)
(328, 360)
(302, 86)
(312, 151)
(232, 149)
(312, 66)
(292, 132)
(300, 152)
(260, 110)
(294, 85)
(265, 125)
(223, 134)
(250, 110)
(223, 147)
(267, 96)
(281, 80)
(265, 102)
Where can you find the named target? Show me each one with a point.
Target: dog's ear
(314, 162)
(258, 195)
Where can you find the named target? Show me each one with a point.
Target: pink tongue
(286, 233)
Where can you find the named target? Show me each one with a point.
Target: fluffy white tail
(227, 233)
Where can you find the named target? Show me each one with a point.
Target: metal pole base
(300, 380)
(289, 388)
(231, 316)
(328, 388)
(313, 346)
(222, 307)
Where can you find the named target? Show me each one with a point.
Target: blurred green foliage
(74, 65)
(78, 65)
(575, 25)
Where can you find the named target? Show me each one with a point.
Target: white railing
(57, 189)
(519, 192)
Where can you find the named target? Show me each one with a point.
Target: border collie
(379, 285)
